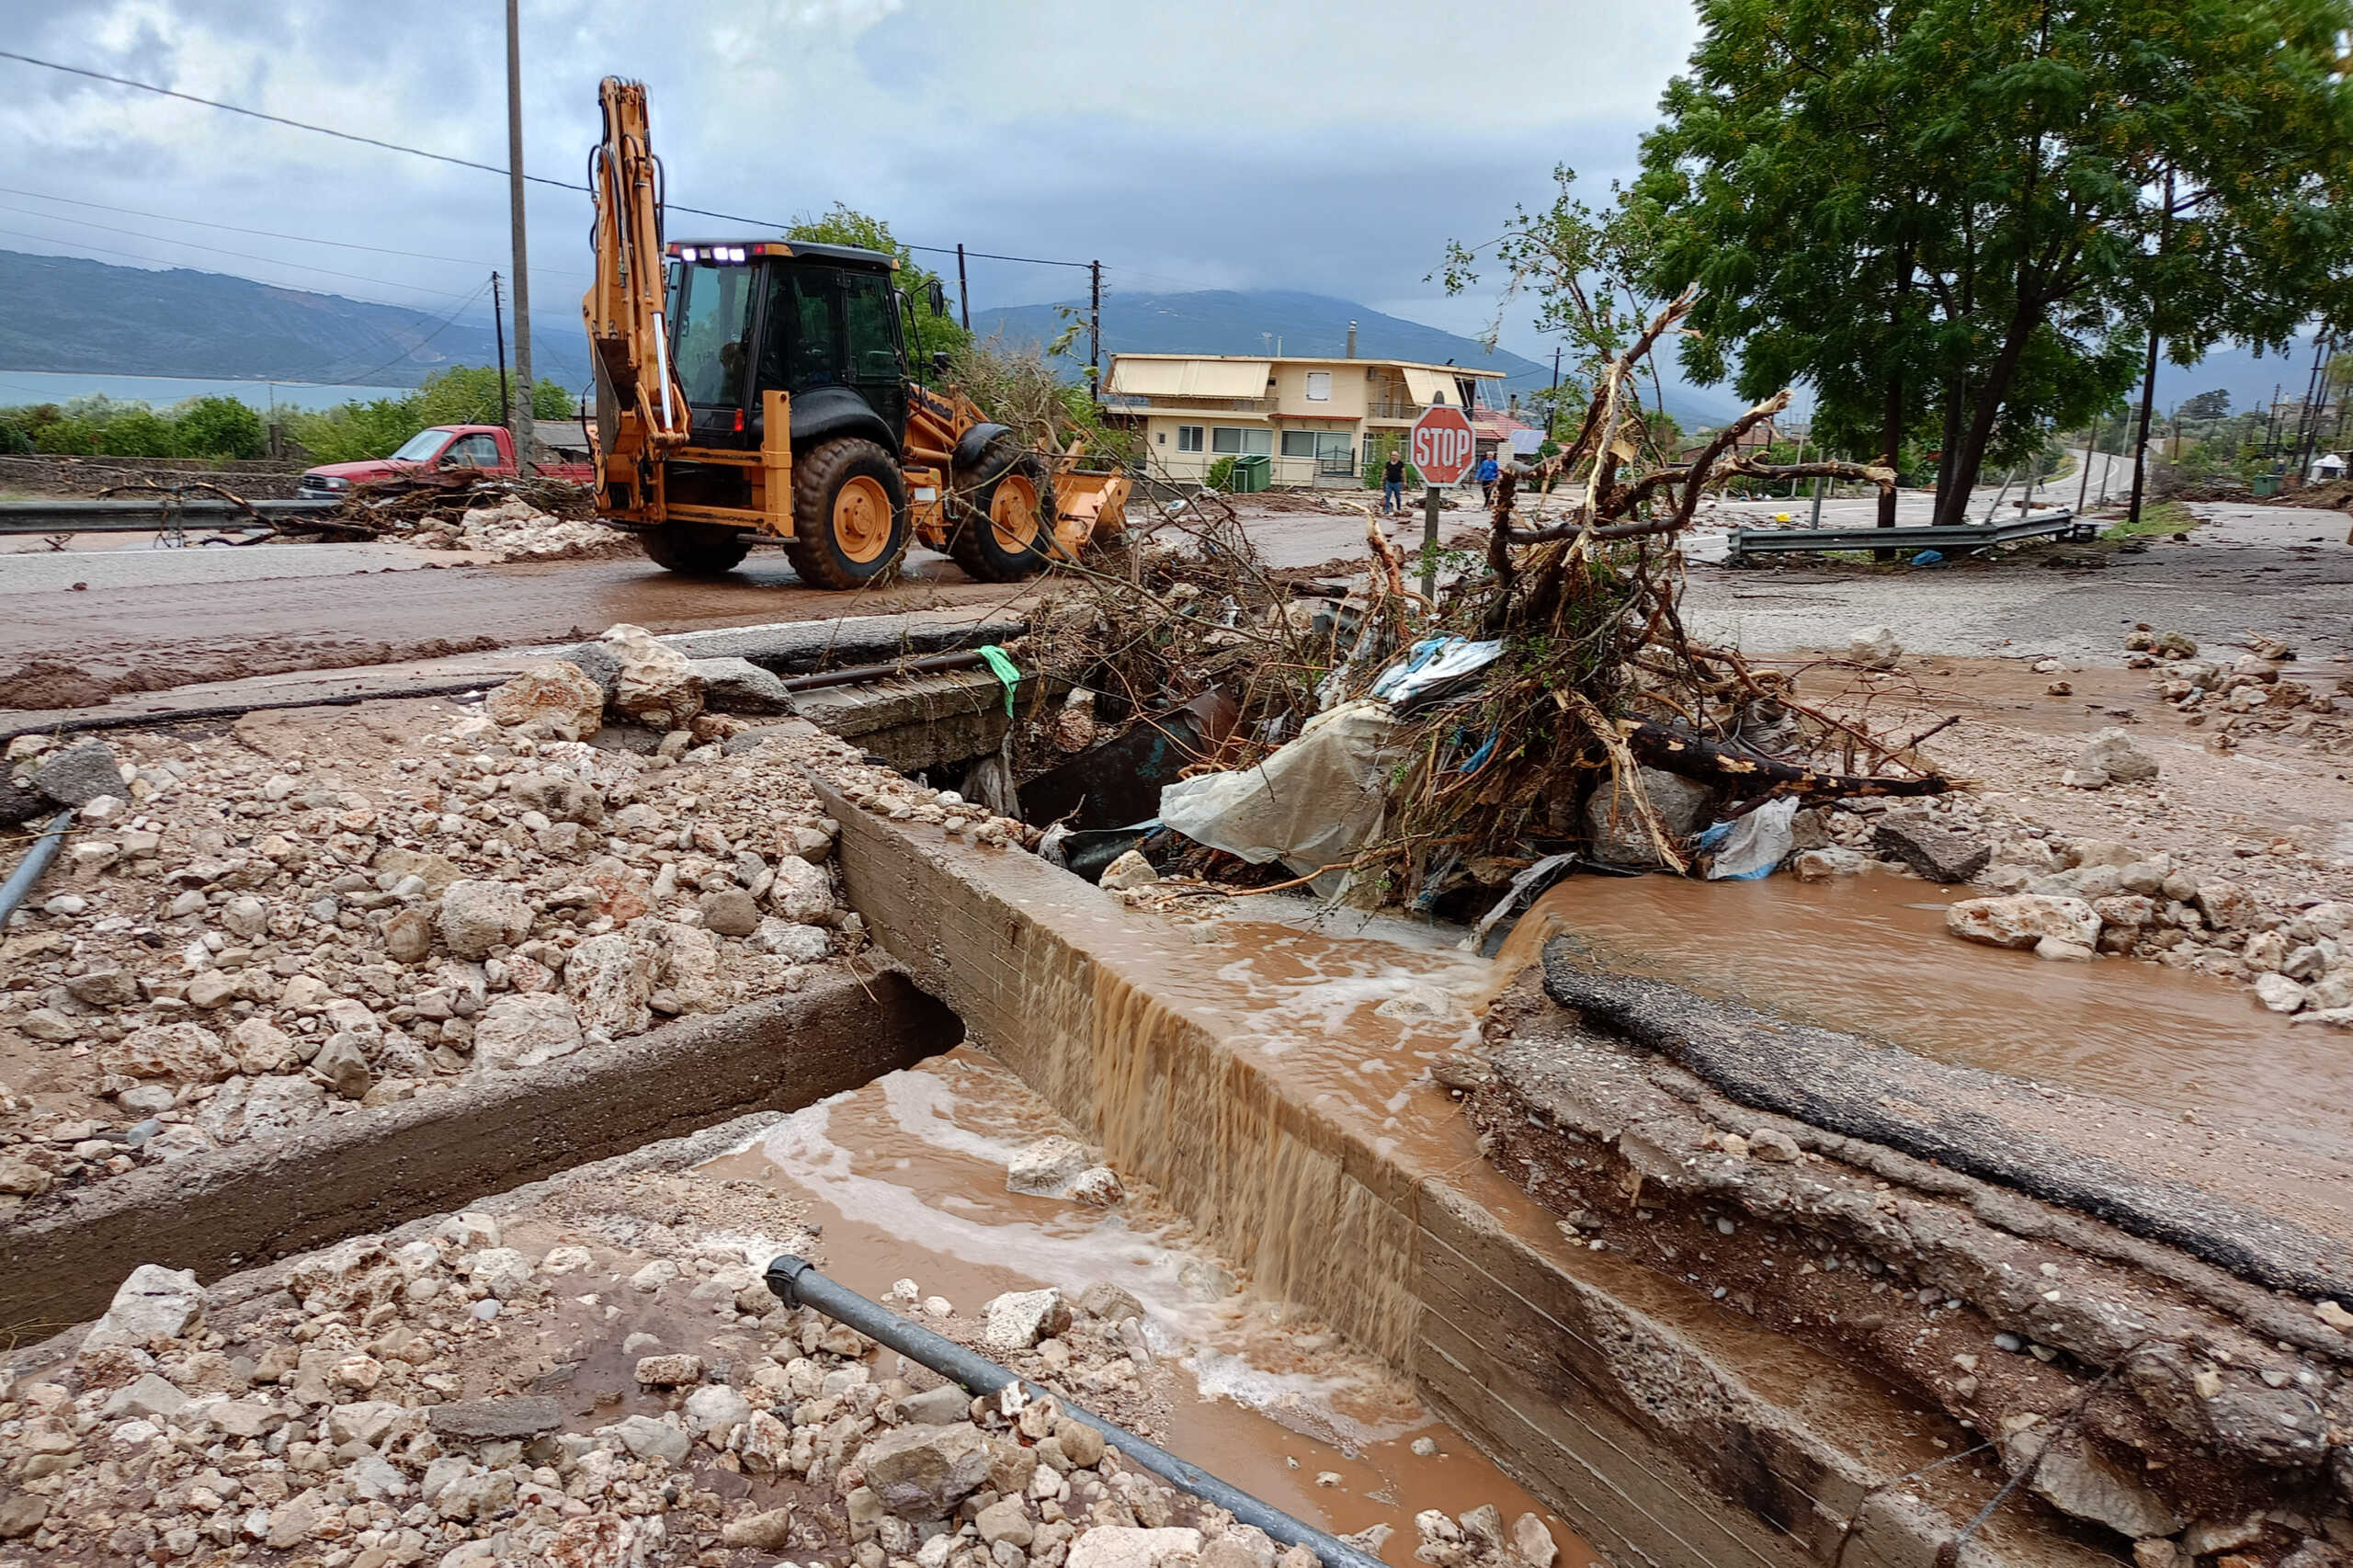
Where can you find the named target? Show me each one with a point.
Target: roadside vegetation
(218, 429)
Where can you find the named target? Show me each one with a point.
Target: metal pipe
(37, 860)
(796, 1283)
(934, 665)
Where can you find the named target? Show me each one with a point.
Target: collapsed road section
(1685, 1281)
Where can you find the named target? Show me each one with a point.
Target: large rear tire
(849, 514)
(1003, 529)
(695, 549)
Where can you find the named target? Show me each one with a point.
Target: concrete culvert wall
(239, 1205)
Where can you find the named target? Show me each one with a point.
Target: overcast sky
(1219, 143)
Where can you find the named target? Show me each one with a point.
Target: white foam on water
(1070, 1255)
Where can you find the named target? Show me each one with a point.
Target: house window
(1319, 386)
(1241, 441)
(1299, 443)
(1189, 438)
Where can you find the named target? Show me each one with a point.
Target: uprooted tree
(1595, 681)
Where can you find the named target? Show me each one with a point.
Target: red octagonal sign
(1441, 446)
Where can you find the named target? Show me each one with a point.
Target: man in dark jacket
(1392, 485)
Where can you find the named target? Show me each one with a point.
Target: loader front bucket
(1088, 508)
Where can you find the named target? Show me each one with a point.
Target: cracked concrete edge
(230, 1208)
(973, 923)
(1852, 1085)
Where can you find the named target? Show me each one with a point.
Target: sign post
(1442, 447)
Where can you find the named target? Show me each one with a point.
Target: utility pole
(963, 290)
(2272, 424)
(2308, 421)
(1095, 326)
(498, 330)
(521, 423)
(2149, 374)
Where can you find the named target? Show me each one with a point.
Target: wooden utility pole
(498, 332)
(1095, 326)
(2149, 375)
(963, 290)
(520, 421)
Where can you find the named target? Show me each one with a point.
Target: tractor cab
(821, 323)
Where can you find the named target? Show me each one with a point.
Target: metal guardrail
(1945, 537)
(145, 516)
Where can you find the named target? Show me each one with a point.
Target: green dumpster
(1253, 473)
(2265, 484)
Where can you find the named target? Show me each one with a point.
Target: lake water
(162, 391)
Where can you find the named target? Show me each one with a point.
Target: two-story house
(1311, 416)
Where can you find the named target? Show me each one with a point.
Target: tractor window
(873, 328)
(804, 340)
(711, 330)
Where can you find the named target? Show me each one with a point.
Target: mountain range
(68, 314)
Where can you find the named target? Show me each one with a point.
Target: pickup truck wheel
(695, 549)
(1004, 516)
(849, 514)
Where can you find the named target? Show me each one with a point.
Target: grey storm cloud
(1333, 147)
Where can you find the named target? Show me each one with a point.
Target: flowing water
(1870, 954)
(905, 1179)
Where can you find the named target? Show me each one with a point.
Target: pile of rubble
(513, 529)
(579, 1376)
(312, 913)
(2251, 694)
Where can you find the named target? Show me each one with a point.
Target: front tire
(695, 549)
(849, 514)
(1005, 527)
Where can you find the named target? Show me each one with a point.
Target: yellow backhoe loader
(758, 388)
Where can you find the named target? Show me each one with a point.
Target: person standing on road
(1392, 485)
(1489, 471)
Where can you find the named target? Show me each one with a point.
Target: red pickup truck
(459, 450)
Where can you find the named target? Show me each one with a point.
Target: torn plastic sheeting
(1310, 803)
(1431, 664)
(1753, 845)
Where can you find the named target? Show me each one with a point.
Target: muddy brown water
(905, 1179)
(1870, 954)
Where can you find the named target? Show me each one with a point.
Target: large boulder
(79, 774)
(1614, 830)
(2111, 758)
(155, 1302)
(1874, 647)
(1019, 1319)
(524, 1030)
(656, 685)
(610, 981)
(739, 686)
(185, 1054)
(558, 696)
(1938, 852)
(800, 892)
(922, 1473)
(1127, 1546)
(477, 915)
(2024, 920)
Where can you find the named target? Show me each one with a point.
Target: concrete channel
(1663, 1432)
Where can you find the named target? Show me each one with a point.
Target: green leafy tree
(218, 428)
(935, 331)
(2214, 404)
(1970, 214)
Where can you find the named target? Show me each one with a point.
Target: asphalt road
(151, 619)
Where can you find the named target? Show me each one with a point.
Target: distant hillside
(1226, 322)
(67, 314)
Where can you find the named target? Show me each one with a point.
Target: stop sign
(1442, 445)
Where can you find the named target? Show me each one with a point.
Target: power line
(218, 250)
(410, 352)
(463, 162)
(268, 233)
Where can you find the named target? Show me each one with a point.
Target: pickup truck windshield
(713, 319)
(421, 446)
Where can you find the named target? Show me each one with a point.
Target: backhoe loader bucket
(1089, 509)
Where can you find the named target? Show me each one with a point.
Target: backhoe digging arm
(641, 408)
